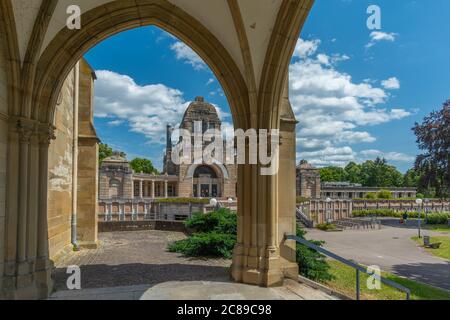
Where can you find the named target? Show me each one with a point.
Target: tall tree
(433, 137)
(143, 165)
(353, 173)
(104, 151)
(332, 174)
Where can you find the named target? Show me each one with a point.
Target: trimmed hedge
(433, 218)
(183, 200)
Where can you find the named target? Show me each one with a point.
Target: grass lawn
(443, 251)
(345, 282)
(437, 228)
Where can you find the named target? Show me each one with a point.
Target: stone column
(166, 189)
(141, 189)
(153, 189)
(266, 212)
(44, 265)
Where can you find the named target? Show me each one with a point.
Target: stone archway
(264, 213)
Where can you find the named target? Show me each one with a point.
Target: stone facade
(308, 181)
(119, 182)
(65, 203)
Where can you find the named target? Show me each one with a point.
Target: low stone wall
(320, 211)
(122, 226)
(402, 205)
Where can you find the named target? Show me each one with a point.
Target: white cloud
(306, 48)
(210, 80)
(390, 156)
(186, 54)
(147, 109)
(116, 123)
(391, 84)
(378, 36)
(331, 107)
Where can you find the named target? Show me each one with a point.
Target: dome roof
(199, 110)
(116, 157)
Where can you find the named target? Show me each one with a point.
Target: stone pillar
(87, 204)
(266, 212)
(153, 189)
(166, 189)
(141, 189)
(44, 265)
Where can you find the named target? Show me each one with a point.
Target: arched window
(114, 188)
(205, 170)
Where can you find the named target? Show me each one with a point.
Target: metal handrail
(352, 264)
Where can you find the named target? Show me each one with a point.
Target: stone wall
(402, 205)
(60, 171)
(87, 195)
(3, 152)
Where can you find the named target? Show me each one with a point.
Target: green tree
(379, 174)
(143, 165)
(433, 137)
(353, 173)
(411, 179)
(104, 151)
(332, 174)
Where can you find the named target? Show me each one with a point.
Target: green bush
(183, 200)
(214, 235)
(384, 194)
(433, 218)
(302, 200)
(326, 226)
(438, 218)
(211, 244)
(312, 264)
(221, 221)
(371, 195)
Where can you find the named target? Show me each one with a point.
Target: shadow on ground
(418, 272)
(101, 276)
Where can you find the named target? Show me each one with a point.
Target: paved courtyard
(136, 265)
(390, 248)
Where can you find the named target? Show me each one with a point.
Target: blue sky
(356, 93)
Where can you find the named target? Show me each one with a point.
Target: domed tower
(201, 180)
(203, 112)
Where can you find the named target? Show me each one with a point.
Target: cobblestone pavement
(137, 258)
(136, 265)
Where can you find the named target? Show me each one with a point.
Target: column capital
(26, 128)
(46, 133)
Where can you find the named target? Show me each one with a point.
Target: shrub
(183, 200)
(433, 218)
(384, 194)
(211, 244)
(214, 235)
(221, 221)
(312, 264)
(302, 199)
(371, 195)
(326, 226)
(438, 218)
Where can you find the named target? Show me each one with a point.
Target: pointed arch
(104, 21)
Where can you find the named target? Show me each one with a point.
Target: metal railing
(352, 264)
(303, 218)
